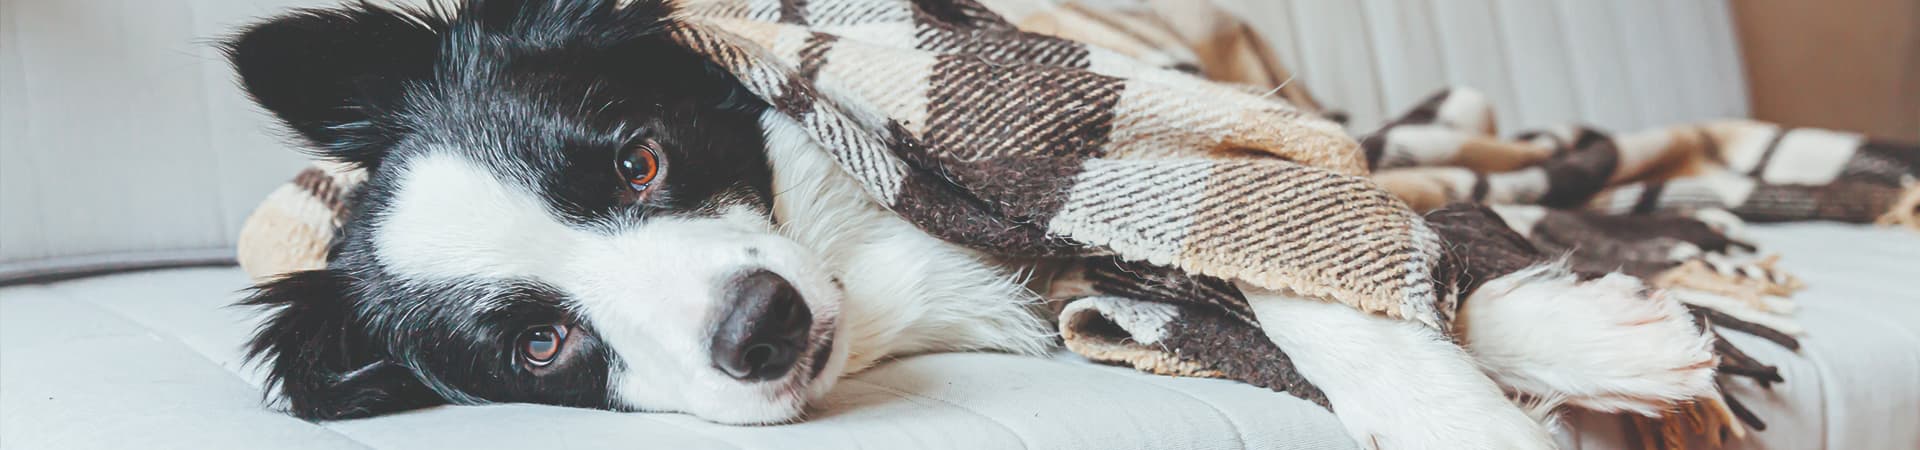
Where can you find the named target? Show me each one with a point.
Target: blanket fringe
(1905, 211)
(1754, 291)
(1705, 421)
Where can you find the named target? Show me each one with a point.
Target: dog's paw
(1607, 344)
(1395, 384)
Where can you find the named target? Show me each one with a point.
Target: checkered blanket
(1155, 195)
(1445, 151)
(1022, 144)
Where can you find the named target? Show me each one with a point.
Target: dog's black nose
(762, 328)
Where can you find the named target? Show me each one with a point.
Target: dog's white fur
(1600, 344)
(908, 292)
(1394, 384)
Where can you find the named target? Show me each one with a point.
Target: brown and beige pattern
(290, 230)
(1440, 152)
(997, 99)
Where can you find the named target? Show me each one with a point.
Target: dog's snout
(762, 328)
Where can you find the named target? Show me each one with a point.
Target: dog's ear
(318, 352)
(564, 23)
(330, 74)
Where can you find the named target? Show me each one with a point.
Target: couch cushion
(90, 363)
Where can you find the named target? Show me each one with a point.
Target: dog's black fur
(547, 92)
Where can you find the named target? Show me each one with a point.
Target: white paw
(1605, 344)
(1395, 384)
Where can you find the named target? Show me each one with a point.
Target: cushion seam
(1003, 425)
(1238, 434)
(688, 429)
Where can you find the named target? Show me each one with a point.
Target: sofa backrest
(124, 142)
(1618, 64)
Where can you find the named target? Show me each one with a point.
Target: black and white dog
(563, 207)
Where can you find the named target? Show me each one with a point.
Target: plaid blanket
(1154, 194)
(1445, 151)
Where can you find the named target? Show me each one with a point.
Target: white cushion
(152, 360)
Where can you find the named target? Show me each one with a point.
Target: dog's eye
(640, 165)
(539, 345)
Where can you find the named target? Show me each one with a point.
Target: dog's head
(563, 207)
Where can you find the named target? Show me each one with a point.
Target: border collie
(563, 207)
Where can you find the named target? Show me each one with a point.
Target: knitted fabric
(1445, 151)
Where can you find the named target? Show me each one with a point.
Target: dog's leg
(1605, 344)
(1395, 384)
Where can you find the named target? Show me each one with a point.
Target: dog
(564, 207)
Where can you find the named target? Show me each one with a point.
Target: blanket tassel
(1905, 211)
